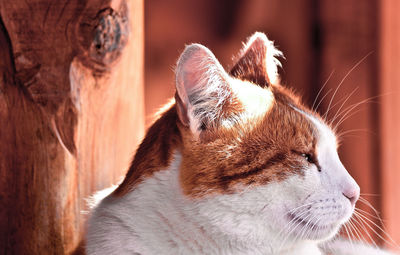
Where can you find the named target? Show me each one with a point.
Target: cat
(236, 164)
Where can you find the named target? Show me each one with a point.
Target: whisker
(367, 203)
(369, 214)
(322, 98)
(352, 106)
(293, 210)
(365, 223)
(341, 106)
(292, 229)
(363, 218)
(290, 226)
(320, 90)
(370, 194)
(348, 133)
(341, 82)
(348, 114)
(356, 230)
(365, 230)
(360, 212)
(350, 237)
(348, 117)
(348, 110)
(305, 228)
(354, 130)
(349, 136)
(372, 222)
(355, 105)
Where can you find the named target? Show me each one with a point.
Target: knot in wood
(110, 36)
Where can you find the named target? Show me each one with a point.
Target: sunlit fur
(233, 167)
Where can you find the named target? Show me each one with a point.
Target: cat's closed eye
(311, 159)
(308, 157)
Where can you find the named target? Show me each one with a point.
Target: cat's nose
(352, 193)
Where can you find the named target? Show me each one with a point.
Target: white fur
(344, 247)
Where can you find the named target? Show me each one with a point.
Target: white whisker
(341, 106)
(320, 90)
(364, 219)
(294, 227)
(365, 231)
(344, 78)
(350, 237)
(360, 236)
(370, 194)
(367, 203)
(369, 214)
(322, 99)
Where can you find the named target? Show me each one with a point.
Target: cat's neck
(162, 218)
(155, 151)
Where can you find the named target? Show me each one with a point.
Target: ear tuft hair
(258, 61)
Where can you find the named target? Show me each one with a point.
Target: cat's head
(254, 158)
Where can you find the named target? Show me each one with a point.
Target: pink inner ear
(189, 73)
(198, 76)
(193, 70)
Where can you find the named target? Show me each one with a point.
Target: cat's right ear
(202, 88)
(257, 61)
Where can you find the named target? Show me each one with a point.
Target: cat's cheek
(348, 212)
(300, 187)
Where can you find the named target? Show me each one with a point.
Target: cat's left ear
(257, 61)
(203, 91)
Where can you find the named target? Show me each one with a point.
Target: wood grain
(71, 114)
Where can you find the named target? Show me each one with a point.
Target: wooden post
(71, 114)
(389, 80)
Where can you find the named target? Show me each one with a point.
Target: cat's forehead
(275, 110)
(326, 138)
(300, 119)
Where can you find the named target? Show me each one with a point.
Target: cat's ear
(257, 61)
(202, 88)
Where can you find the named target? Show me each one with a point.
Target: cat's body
(236, 166)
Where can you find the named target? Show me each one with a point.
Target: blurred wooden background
(73, 104)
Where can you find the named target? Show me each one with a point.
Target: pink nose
(352, 193)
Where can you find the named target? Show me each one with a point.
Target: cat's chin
(312, 230)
